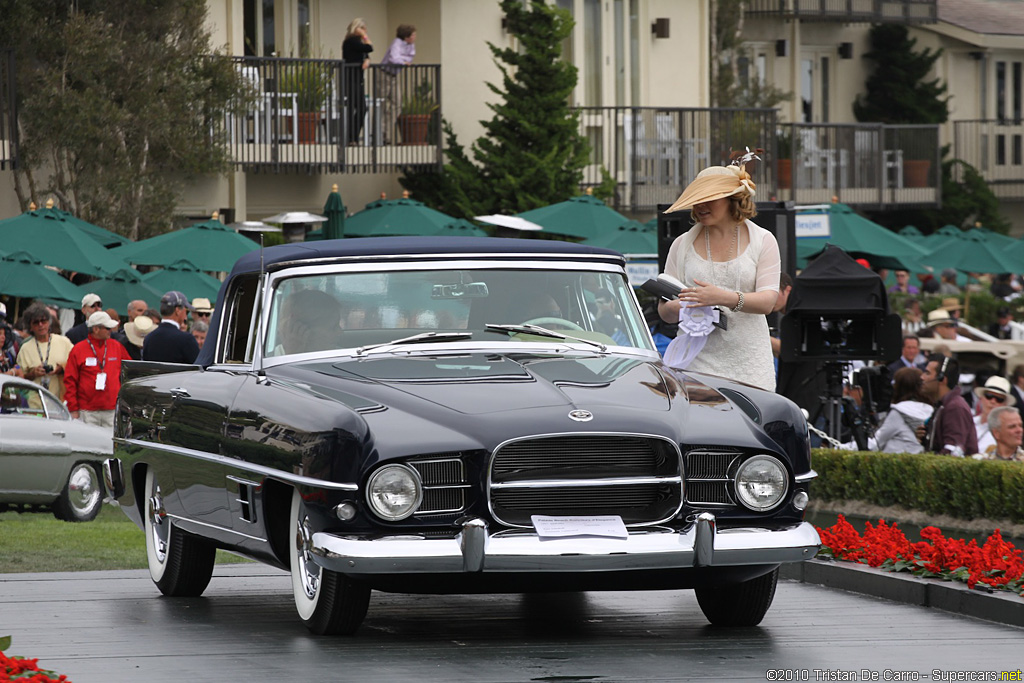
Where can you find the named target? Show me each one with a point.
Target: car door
(34, 444)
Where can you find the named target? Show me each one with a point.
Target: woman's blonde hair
(354, 26)
(741, 208)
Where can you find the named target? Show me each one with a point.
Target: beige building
(644, 94)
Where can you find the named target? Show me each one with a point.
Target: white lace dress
(743, 352)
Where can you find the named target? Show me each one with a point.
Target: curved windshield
(367, 310)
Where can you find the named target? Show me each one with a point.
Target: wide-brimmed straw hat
(138, 329)
(938, 317)
(997, 385)
(714, 182)
(952, 304)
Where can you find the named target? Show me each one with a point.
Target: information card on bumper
(608, 526)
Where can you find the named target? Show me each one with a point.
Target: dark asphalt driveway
(114, 627)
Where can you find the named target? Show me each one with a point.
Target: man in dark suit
(911, 349)
(1017, 388)
(168, 343)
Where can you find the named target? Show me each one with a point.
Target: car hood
(478, 384)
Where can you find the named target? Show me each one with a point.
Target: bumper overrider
(475, 549)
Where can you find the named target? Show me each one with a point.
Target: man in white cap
(92, 376)
(994, 394)
(90, 304)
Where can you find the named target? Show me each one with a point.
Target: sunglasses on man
(997, 398)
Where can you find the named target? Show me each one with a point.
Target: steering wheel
(544, 322)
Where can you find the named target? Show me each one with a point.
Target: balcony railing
(652, 153)
(8, 112)
(848, 11)
(322, 115)
(872, 166)
(995, 149)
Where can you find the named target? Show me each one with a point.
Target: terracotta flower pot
(414, 128)
(785, 179)
(308, 122)
(915, 172)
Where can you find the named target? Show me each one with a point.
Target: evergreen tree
(532, 153)
(897, 91)
(119, 106)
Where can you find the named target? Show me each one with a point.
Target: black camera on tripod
(838, 312)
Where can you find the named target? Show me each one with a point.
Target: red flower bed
(21, 670)
(996, 564)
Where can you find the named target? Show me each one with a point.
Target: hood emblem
(581, 415)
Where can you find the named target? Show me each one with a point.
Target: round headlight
(394, 492)
(761, 483)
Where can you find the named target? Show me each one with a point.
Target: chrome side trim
(189, 520)
(582, 483)
(239, 464)
(527, 552)
(805, 477)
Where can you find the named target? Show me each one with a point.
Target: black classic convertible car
(455, 415)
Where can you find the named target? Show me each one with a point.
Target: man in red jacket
(92, 376)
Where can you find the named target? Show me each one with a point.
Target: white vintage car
(48, 460)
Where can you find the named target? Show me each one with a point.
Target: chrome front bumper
(474, 549)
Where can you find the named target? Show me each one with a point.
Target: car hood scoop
(477, 384)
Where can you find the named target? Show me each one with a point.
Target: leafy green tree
(120, 104)
(531, 153)
(899, 91)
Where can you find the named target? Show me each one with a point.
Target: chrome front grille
(638, 478)
(444, 485)
(708, 480)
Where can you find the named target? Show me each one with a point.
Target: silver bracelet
(739, 303)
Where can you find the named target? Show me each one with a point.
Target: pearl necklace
(732, 247)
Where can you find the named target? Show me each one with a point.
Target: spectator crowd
(82, 366)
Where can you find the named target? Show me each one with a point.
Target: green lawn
(39, 542)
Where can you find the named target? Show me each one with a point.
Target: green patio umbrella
(184, 277)
(584, 216)
(972, 252)
(335, 210)
(118, 289)
(463, 228)
(211, 246)
(396, 217)
(631, 238)
(910, 232)
(51, 236)
(862, 238)
(22, 275)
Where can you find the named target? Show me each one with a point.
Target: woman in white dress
(727, 262)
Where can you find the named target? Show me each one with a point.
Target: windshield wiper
(526, 328)
(417, 339)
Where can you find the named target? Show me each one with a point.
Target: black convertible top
(409, 246)
(390, 247)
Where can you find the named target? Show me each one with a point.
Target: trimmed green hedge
(938, 484)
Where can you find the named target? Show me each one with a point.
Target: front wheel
(329, 603)
(82, 497)
(180, 565)
(738, 604)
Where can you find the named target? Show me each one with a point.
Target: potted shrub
(311, 83)
(417, 111)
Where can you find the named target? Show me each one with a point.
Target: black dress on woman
(353, 52)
